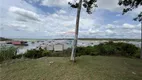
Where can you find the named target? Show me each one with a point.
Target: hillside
(60, 68)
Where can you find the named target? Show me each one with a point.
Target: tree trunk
(141, 41)
(76, 32)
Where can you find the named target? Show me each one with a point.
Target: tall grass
(7, 52)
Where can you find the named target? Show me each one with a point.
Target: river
(63, 44)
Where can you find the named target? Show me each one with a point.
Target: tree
(88, 4)
(129, 6)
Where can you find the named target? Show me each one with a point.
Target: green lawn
(86, 68)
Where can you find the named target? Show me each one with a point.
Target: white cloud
(109, 31)
(24, 13)
(137, 10)
(87, 23)
(93, 31)
(128, 26)
(55, 3)
(118, 15)
(18, 25)
(111, 5)
(139, 25)
(109, 26)
(62, 11)
(61, 23)
(115, 21)
(136, 31)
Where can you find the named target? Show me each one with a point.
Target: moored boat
(18, 43)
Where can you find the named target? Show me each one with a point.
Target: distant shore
(113, 39)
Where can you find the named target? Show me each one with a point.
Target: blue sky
(56, 19)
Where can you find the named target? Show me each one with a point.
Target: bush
(89, 50)
(110, 48)
(127, 49)
(36, 53)
(137, 55)
(7, 52)
(18, 56)
(80, 51)
(107, 48)
(65, 53)
(43, 52)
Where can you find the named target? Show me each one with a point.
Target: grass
(7, 52)
(86, 68)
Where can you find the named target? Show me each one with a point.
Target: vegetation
(110, 48)
(36, 53)
(18, 56)
(130, 5)
(112, 39)
(7, 52)
(4, 39)
(65, 53)
(107, 49)
(87, 4)
(86, 68)
(43, 52)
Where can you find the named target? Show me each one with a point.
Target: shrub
(7, 52)
(89, 50)
(126, 49)
(18, 56)
(137, 55)
(110, 48)
(45, 53)
(65, 53)
(80, 51)
(36, 53)
(107, 48)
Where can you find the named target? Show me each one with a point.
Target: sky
(56, 19)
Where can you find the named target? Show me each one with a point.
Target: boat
(19, 43)
(8, 42)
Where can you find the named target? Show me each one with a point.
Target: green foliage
(129, 5)
(36, 53)
(126, 49)
(43, 52)
(7, 52)
(137, 55)
(110, 48)
(106, 49)
(88, 4)
(65, 53)
(18, 56)
(4, 39)
(86, 51)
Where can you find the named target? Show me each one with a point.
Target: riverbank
(64, 44)
(60, 68)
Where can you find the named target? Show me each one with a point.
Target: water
(64, 44)
(48, 44)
